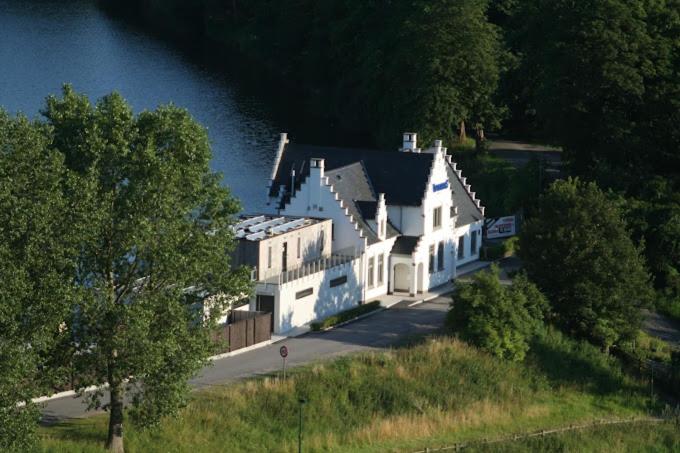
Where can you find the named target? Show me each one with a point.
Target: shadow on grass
(571, 363)
(79, 431)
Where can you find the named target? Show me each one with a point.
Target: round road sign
(283, 351)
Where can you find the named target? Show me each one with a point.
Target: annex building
(348, 225)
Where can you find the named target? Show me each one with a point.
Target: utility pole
(302, 402)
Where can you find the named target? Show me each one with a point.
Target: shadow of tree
(579, 364)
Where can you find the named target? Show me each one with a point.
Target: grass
(346, 315)
(438, 392)
(669, 307)
(627, 438)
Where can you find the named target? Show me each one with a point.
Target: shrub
(501, 320)
(346, 315)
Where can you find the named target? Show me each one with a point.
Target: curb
(365, 315)
(252, 347)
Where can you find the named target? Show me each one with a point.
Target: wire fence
(545, 432)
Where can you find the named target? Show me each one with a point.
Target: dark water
(46, 43)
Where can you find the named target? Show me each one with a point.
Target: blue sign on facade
(441, 186)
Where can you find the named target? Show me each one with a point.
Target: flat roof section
(258, 227)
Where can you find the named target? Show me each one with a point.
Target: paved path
(519, 153)
(661, 327)
(374, 332)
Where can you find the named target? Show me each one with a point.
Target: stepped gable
(469, 209)
(402, 177)
(353, 187)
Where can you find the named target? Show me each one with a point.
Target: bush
(346, 315)
(501, 320)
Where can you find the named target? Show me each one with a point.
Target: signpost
(283, 351)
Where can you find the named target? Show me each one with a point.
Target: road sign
(283, 351)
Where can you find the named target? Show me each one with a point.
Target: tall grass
(435, 392)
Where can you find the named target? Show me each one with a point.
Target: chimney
(436, 148)
(410, 142)
(316, 172)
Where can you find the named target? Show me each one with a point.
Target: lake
(44, 44)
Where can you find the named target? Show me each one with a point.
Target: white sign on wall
(501, 227)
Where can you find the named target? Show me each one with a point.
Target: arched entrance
(401, 277)
(420, 287)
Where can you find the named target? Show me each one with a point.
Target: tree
(578, 250)
(154, 239)
(601, 77)
(498, 319)
(36, 273)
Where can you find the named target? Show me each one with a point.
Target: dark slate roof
(402, 177)
(352, 185)
(367, 208)
(404, 245)
(468, 212)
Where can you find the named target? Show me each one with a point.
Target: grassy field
(629, 438)
(438, 392)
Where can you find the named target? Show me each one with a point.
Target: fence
(543, 433)
(243, 329)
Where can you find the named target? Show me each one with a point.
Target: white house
(399, 222)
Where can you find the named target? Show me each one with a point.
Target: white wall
(373, 251)
(326, 206)
(466, 232)
(434, 236)
(323, 302)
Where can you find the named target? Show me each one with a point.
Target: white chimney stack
(316, 175)
(410, 142)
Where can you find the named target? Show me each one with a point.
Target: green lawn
(438, 392)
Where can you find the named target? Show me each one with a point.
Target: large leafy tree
(498, 318)
(579, 251)
(601, 78)
(155, 238)
(36, 271)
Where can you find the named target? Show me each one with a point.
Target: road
(666, 329)
(519, 153)
(372, 333)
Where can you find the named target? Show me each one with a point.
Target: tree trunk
(461, 134)
(480, 140)
(115, 440)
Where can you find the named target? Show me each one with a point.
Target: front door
(402, 278)
(266, 304)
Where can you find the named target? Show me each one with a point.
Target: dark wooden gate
(243, 329)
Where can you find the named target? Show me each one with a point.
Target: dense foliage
(579, 251)
(498, 319)
(36, 271)
(113, 229)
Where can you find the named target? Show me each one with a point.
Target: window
(461, 247)
(440, 256)
(473, 243)
(437, 218)
(332, 231)
(304, 293)
(432, 259)
(338, 281)
(381, 265)
(371, 265)
(269, 257)
(322, 239)
(299, 246)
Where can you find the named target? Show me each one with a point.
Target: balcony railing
(280, 276)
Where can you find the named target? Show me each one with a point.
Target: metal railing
(280, 276)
